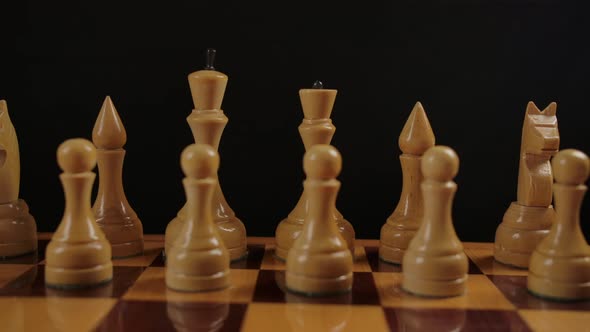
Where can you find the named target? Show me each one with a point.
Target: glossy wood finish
(560, 265)
(198, 259)
(112, 211)
(435, 264)
(18, 230)
(78, 255)
(138, 300)
(320, 261)
(207, 122)
(316, 128)
(399, 229)
(528, 220)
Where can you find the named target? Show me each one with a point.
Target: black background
(473, 64)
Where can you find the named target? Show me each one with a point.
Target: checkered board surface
(137, 299)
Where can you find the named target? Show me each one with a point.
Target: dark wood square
(173, 316)
(32, 283)
(378, 265)
(514, 289)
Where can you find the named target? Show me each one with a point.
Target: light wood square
(52, 313)
(262, 317)
(481, 294)
(556, 320)
(151, 286)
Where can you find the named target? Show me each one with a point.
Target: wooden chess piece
(316, 128)
(207, 122)
(560, 265)
(78, 254)
(528, 220)
(113, 213)
(434, 263)
(18, 231)
(320, 262)
(198, 259)
(399, 229)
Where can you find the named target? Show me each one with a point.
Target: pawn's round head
(322, 161)
(199, 161)
(571, 167)
(440, 163)
(76, 155)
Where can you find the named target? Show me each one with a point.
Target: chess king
(18, 231)
(207, 122)
(528, 220)
(316, 128)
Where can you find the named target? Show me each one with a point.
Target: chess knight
(528, 220)
(18, 231)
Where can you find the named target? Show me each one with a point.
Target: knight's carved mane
(536, 119)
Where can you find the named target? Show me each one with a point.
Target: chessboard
(137, 298)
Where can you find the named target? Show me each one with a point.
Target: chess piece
(399, 229)
(113, 213)
(434, 263)
(18, 231)
(560, 265)
(320, 262)
(528, 220)
(207, 122)
(198, 259)
(78, 254)
(316, 128)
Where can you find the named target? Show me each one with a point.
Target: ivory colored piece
(528, 220)
(320, 262)
(434, 263)
(207, 122)
(113, 213)
(78, 254)
(399, 229)
(560, 265)
(18, 231)
(198, 259)
(316, 128)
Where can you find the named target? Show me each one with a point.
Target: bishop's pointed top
(108, 132)
(4, 116)
(417, 135)
(3, 106)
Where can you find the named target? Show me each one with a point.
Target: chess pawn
(319, 262)
(560, 265)
(528, 220)
(113, 213)
(399, 229)
(207, 122)
(316, 128)
(18, 231)
(78, 254)
(434, 263)
(198, 260)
